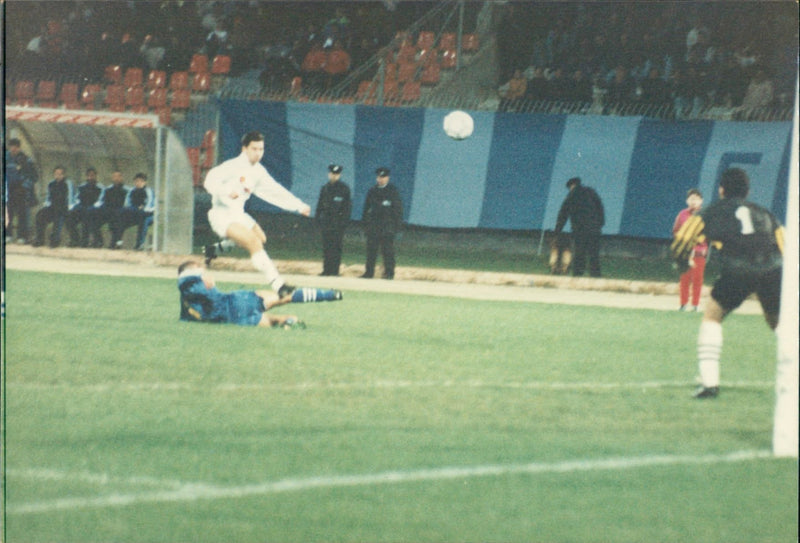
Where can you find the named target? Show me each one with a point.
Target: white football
(458, 125)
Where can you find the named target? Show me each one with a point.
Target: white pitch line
(191, 492)
(379, 384)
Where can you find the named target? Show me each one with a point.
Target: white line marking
(379, 384)
(190, 492)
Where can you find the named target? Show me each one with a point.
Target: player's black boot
(706, 392)
(210, 253)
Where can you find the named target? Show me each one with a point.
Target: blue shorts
(245, 308)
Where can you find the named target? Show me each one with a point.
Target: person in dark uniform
(382, 218)
(332, 215)
(137, 211)
(108, 208)
(21, 176)
(584, 209)
(60, 199)
(749, 241)
(79, 216)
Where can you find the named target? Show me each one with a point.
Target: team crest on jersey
(243, 181)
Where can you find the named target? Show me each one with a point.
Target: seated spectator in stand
(760, 92)
(217, 41)
(338, 28)
(689, 92)
(152, 52)
(621, 89)
(60, 199)
(513, 91)
(579, 88)
(536, 88)
(108, 208)
(337, 65)
(79, 217)
(654, 89)
(313, 66)
(137, 211)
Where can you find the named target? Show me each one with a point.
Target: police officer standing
(382, 218)
(332, 215)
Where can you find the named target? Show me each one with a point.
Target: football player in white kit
(230, 185)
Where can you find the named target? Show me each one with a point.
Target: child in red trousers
(692, 278)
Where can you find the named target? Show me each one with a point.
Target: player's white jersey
(232, 182)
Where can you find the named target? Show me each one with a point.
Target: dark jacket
(584, 209)
(334, 206)
(383, 210)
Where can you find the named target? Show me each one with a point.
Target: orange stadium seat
(157, 98)
(412, 91)
(46, 94)
(90, 96)
(447, 41)
(181, 99)
(115, 97)
(469, 42)
(156, 79)
(201, 82)
(134, 99)
(198, 64)
(68, 96)
(425, 39)
(221, 64)
(406, 71)
(179, 80)
(113, 73)
(24, 93)
(133, 77)
(430, 74)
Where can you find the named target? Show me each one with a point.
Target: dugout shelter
(129, 142)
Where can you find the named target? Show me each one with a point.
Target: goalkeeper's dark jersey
(748, 237)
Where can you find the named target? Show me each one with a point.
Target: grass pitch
(391, 418)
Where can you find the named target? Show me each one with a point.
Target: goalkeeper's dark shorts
(731, 289)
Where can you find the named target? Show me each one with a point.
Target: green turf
(109, 397)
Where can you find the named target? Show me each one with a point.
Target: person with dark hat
(584, 209)
(332, 215)
(382, 218)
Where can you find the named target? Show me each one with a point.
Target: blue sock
(305, 295)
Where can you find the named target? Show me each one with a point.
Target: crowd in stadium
(698, 53)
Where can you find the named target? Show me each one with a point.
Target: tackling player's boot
(210, 253)
(306, 295)
(703, 393)
(286, 290)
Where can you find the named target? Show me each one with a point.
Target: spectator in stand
(60, 200)
(513, 91)
(217, 41)
(579, 88)
(129, 55)
(138, 210)
(760, 92)
(558, 86)
(337, 64)
(21, 177)
(654, 89)
(79, 217)
(313, 66)
(337, 28)
(536, 88)
(621, 89)
(152, 52)
(108, 209)
(689, 92)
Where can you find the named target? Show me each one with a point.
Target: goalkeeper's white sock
(263, 263)
(709, 347)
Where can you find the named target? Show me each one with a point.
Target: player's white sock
(263, 263)
(709, 347)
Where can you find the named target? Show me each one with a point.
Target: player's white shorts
(221, 219)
